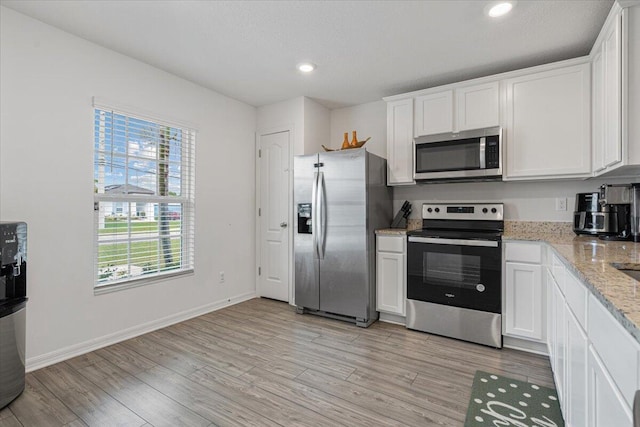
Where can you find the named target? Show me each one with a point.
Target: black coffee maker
(13, 301)
(616, 198)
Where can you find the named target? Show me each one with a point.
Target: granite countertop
(392, 231)
(590, 259)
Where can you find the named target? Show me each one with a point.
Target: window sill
(135, 283)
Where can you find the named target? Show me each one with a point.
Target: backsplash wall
(523, 201)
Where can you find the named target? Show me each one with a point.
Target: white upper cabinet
(616, 90)
(612, 96)
(607, 97)
(458, 109)
(548, 124)
(434, 113)
(597, 108)
(478, 106)
(400, 142)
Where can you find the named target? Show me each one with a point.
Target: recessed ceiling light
(306, 67)
(500, 9)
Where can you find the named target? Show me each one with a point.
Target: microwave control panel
(492, 154)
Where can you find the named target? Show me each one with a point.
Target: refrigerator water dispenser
(304, 218)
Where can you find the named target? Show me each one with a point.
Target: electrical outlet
(221, 277)
(561, 203)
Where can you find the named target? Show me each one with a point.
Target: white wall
(524, 201)
(309, 120)
(368, 120)
(47, 80)
(282, 115)
(317, 122)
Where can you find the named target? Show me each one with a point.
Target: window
(144, 198)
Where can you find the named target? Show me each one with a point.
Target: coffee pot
(617, 199)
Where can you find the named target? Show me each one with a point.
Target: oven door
(456, 272)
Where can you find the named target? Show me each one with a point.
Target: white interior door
(273, 261)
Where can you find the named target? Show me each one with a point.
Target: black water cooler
(13, 302)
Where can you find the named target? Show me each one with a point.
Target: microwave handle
(414, 155)
(483, 151)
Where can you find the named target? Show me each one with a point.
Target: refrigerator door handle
(322, 216)
(314, 215)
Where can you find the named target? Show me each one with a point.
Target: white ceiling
(364, 49)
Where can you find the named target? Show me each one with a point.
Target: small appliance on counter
(616, 198)
(13, 300)
(605, 213)
(592, 218)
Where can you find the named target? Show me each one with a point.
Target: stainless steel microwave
(474, 155)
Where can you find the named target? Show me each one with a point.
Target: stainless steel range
(454, 272)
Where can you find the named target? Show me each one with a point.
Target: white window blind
(143, 198)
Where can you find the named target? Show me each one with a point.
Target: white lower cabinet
(618, 350)
(558, 363)
(576, 375)
(595, 360)
(605, 405)
(524, 292)
(391, 273)
(524, 300)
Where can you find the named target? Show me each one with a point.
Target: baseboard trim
(74, 350)
(392, 318)
(525, 345)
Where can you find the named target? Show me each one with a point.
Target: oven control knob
(429, 210)
(437, 210)
(485, 210)
(480, 287)
(494, 210)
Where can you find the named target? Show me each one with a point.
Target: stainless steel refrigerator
(340, 199)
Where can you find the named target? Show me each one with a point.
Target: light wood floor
(260, 364)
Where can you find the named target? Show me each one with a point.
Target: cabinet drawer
(391, 243)
(524, 252)
(616, 347)
(576, 296)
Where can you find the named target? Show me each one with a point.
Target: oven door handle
(454, 242)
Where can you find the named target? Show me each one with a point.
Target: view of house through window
(144, 197)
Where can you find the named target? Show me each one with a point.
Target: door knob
(283, 224)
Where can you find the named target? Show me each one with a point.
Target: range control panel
(466, 211)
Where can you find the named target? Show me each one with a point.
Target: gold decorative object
(360, 144)
(347, 145)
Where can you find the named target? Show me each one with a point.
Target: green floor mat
(497, 401)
